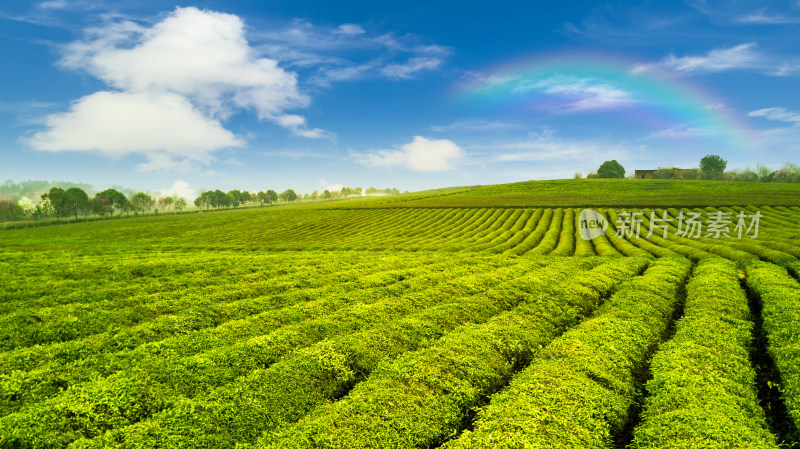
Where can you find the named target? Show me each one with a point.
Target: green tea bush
(579, 391)
(703, 391)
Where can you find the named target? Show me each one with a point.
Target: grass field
(594, 193)
(460, 318)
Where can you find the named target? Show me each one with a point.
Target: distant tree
(315, 194)
(58, 199)
(372, 191)
(611, 169)
(788, 173)
(114, 200)
(204, 200)
(346, 191)
(306, 196)
(357, 191)
(165, 202)
(9, 210)
(765, 174)
(235, 198)
(713, 166)
(26, 207)
(221, 199)
(142, 202)
(664, 173)
(45, 209)
(326, 194)
(291, 195)
(262, 198)
(101, 205)
(272, 196)
(77, 200)
(180, 204)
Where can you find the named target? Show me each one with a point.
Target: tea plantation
(485, 317)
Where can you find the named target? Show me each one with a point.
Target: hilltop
(592, 193)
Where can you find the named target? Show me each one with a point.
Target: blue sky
(413, 95)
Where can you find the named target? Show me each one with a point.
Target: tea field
(454, 319)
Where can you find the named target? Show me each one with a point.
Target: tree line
(712, 167)
(74, 201)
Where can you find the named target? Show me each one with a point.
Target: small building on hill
(649, 174)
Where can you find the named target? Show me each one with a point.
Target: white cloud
(407, 69)
(777, 114)
(761, 18)
(120, 123)
(742, 56)
(546, 147)
(54, 4)
(350, 29)
(180, 189)
(348, 52)
(297, 125)
(474, 125)
(583, 94)
(203, 55)
(174, 83)
(683, 131)
(330, 186)
(421, 154)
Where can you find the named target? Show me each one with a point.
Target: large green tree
(142, 202)
(611, 169)
(58, 199)
(9, 210)
(77, 200)
(272, 195)
(713, 166)
(108, 201)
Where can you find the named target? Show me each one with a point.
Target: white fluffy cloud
(180, 189)
(119, 123)
(421, 154)
(175, 81)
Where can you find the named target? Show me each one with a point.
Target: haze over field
(414, 95)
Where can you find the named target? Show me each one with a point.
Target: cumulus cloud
(119, 123)
(421, 154)
(174, 82)
(181, 189)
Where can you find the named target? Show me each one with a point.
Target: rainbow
(648, 96)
